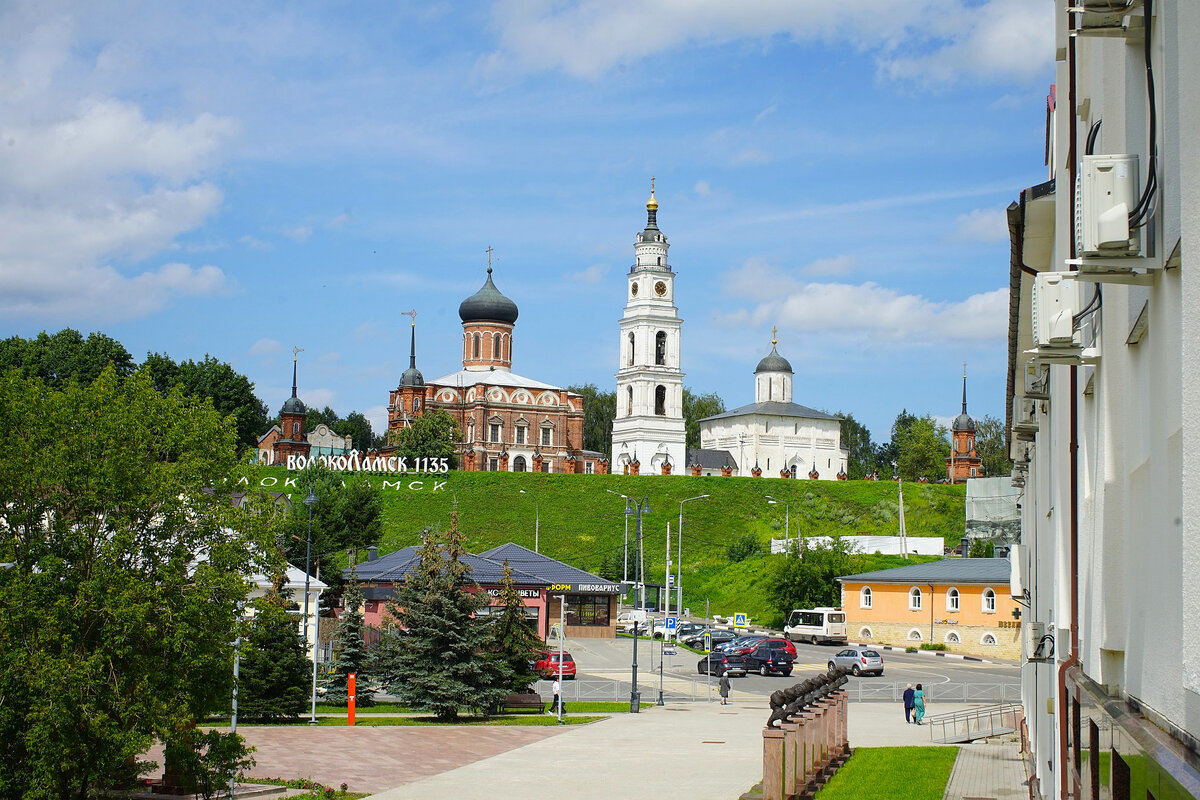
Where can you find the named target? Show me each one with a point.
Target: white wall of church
(777, 443)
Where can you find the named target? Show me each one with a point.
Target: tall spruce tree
(515, 640)
(273, 676)
(443, 659)
(350, 653)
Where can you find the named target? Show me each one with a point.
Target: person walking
(919, 703)
(908, 703)
(558, 697)
(724, 688)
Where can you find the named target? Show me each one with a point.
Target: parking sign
(671, 623)
(739, 621)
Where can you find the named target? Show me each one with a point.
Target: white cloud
(338, 222)
(766, 112)
(749, 156)
(378, 417)
(297, 233)
(254, 243)
(593, 274)
(866, 312)
(702, 189)
(839, 265)
(926, 41)
(265, 347)
(981, 225)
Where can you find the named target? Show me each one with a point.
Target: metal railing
(886, 691)
(975, 723)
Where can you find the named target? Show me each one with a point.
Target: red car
(546, 665)
(775, 643)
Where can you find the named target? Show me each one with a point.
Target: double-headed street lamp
(679, 556)
(537, 519)
(636, 507)
(787, 518)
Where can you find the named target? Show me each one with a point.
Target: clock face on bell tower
(660, 289)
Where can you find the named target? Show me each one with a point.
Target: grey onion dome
(488, 305)
(412, 378)
(773, 362)
(963, 423)
(293, 406)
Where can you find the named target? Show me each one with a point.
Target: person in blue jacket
(908, 703)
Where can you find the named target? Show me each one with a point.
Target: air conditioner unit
(1016, 574)
(1032, 645)
(1054, 303)
(1025, 418)
(1037, 381)
(1108, 191)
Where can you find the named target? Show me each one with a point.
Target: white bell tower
(649, 423)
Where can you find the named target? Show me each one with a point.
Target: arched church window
(295, 429)
(519, 464)
(475, 350)
(631, 348)
(416, 404)
(496, 346)
(660, 400)
(629, 402)
(660, 348)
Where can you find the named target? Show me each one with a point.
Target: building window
(545, 466)
(416, 404)
(914, 635)
(493, 465)
(520, 434)
(519, 464)
(496, 346)
(295, 429)
(988, 639)
(660, 349)
(864, 597)
(631, 348)
(629, 403)
(546, 437)
(865, 633)
(952, 599)
(494, 435)
(587, 609)
(475, 347)
(989, 601)
(952, 638)
(972, 472)
(914, 599)
(589, 468)
(660, 400)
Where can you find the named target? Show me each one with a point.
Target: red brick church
(964, 462)
(509, 422)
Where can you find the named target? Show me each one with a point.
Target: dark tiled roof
(775, 409)
(949, 570)
(528, 568)
(544, 567)
(710, 459)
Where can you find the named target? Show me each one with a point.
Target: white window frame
(983, 640)
(915, 596)
(914, 635)
(953, 599)
(865, 633)
(956, 640)
(864, 597)
(988, 599)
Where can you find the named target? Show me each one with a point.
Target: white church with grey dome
(773, 436)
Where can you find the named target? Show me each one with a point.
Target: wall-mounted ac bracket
(1065, 355)
(1097, 270)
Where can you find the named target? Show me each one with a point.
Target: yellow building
(963, 603)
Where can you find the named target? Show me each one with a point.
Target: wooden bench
(522, 702)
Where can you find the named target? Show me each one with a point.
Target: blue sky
(241, 178)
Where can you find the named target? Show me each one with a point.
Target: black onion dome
(488, 305)
(964, 423)
(293, 406)
(412, 377)
(773, 363)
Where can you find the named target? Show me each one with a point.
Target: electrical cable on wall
(1144, 210)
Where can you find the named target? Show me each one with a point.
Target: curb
(936, 653)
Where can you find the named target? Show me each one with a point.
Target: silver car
(859, 660)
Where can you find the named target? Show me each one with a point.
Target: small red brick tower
(407, 401)
(963, 462)
(293, 419)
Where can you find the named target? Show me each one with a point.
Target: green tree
(273, 677)
(326, 416)
(744, 547)
(348, 515)
(443, 659)
(119, 606)
(857, 439)
(232, 393)
(434, 434)
(989, 445)
(695, 408)
(599, 411)
(60, 357)
(808, 578)
(358, 428)
(515, 639)
(350, 653)
(923, 450)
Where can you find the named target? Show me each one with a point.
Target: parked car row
(546, 664)
(764, 658)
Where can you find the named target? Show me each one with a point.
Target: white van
(816, 625)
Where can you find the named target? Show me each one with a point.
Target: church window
(475, 349)
(793, 470)
(496, 346)
(660, 349)
(629, 403)
(545, 437)
(495, 432)
(416, 404)
(493, 465)
(520, 437)
(972, 472)
(660, 400)
(631, 349)
(589, 468)
(519, 463)
(295, 428)
(660, 261)
(545, 466)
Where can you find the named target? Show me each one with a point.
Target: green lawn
(892, 773)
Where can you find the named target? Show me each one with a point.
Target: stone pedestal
(774, 762)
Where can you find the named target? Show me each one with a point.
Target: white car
(625, 622)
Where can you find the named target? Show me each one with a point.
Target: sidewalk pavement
(994, 771)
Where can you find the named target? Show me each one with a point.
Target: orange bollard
(350, 698)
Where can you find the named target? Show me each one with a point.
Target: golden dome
(651, 204)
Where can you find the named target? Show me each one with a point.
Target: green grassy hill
(583, 525)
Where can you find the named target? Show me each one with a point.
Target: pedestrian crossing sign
(739, 621)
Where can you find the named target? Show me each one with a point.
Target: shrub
(933, 646)
(741, 549)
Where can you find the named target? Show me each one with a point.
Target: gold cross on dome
(651, 184)
(296, 351)
(489, 251)
(774, 330)
(412, 314)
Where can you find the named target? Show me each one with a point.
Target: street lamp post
(787, 518)
(679, 555)
(537, 520)
(310, 501)
(562, 632)
(636, 507)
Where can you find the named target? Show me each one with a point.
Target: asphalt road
(951, 679)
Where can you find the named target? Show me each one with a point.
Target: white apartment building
(1104, 408)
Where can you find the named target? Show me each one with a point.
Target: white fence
(888, 545)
